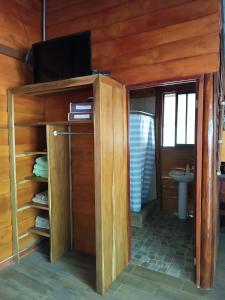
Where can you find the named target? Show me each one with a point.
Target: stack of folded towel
(41, 167)
(42, 222)
(41, 198)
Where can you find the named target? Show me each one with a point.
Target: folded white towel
(42, 222)
(41, 198)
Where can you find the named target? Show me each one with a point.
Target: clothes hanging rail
(57, 133)
(142, 112)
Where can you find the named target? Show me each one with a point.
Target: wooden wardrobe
(87, 170)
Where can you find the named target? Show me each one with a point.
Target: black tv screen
(61, 58)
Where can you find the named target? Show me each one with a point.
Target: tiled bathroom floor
(165, 244)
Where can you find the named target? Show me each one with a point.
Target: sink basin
(181, 176)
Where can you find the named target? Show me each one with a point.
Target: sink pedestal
(182, 200)
(182, 178)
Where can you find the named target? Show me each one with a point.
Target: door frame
(199, 79)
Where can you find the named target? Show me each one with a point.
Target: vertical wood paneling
(20, 27)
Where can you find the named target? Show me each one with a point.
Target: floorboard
(73, 277)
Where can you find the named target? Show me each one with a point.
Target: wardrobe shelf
(40, 231)
(33, 205)
(32, 178)
(23, 235)
(39, 206)
(30, 153)
(54, 123)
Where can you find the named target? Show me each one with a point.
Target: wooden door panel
(111, 190)
(59, 192)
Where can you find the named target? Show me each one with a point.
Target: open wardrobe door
(111, 181)
(59, 191)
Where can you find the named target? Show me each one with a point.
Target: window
(178, 119)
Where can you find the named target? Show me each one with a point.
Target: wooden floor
(73, 277)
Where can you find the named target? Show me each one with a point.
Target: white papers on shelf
(79, 116)
(84, 107)
(81, 107)
(42, 222)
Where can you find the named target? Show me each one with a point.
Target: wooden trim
(98, 178)
(198, 176)
(158, 142)
(54, 86)
(9, 260)
(165, 82)
(13, 184)
(207, 228)
(215, 190)
(128, 172)
(11, 52)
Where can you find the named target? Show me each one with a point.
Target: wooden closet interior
(87, 171)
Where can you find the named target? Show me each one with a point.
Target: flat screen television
(61, 58)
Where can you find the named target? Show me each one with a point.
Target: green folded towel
(43, 174)
(42, 161)
(41, 167)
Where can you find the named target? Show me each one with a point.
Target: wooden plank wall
(143, 40)
(20, 27)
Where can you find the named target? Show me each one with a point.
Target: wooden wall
(20, 27)
(143, 40)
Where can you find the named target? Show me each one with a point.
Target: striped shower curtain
(142, 159)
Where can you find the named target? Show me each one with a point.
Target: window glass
(181, 119)
(191, 119)
(169, 115)
(178, 119)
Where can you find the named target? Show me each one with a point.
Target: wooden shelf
(32, 178)
(30, 153)
(54, 123)
(56, 86)
(23, 235)
(39, 206)
(36, 178)
(40, 231)
(33, 205)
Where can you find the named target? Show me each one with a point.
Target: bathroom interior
(162, 181)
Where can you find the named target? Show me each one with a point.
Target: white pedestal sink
(182, 177)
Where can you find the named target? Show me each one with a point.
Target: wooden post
(13, 186)
(208, 218)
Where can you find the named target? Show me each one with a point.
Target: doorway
(162, 123)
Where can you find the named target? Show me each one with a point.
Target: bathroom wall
(146, 104)
(174, 158)
(141, 102)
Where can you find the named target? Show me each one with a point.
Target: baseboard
(24, 252)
